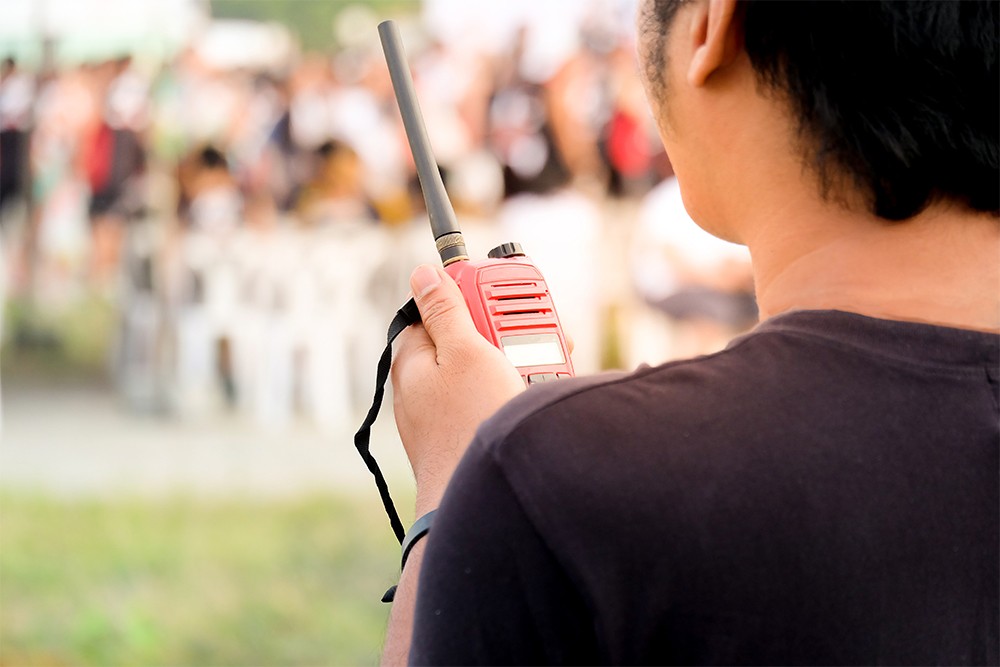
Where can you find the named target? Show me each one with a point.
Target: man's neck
(941, 267)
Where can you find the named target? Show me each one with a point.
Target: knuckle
(439, 309)
(469, 353)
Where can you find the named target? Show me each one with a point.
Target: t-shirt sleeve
(490, 590)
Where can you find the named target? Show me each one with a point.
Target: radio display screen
(533, 350)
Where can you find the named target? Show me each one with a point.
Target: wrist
(428, 498)
(432, 480)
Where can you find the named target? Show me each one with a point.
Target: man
(16, 97)
(825, 490)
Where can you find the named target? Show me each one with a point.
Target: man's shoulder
(799, 398)
(788, 367)
(578, 405)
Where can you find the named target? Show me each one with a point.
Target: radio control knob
(505, 250)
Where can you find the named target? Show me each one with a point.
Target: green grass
(192, 582)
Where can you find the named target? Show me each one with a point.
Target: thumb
(442, 307)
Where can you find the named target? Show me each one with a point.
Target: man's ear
(717, 38)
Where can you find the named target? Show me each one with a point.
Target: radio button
(505, 250)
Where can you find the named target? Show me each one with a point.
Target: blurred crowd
(255, 228)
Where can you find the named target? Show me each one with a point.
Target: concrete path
(82, 442)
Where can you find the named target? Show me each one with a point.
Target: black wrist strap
(405, 316)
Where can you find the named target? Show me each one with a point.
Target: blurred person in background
(17, 92)
(336, 193)
(628, 140)
(113, 159)
(271, 154)
(822, 491)
(521, 128)
(16, 96)
(66, 109)
(207, 283)
(365, 119)
(211, 200)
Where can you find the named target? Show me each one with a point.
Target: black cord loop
(405, 316)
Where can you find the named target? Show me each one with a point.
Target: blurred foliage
(310, 20)
(193, 582)
(73, 340)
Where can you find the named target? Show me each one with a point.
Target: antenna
(447, 235)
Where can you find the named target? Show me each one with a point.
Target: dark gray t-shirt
(824, 491)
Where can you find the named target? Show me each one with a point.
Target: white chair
(344, 336)
(205, 315)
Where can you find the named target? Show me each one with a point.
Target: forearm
(400, 631)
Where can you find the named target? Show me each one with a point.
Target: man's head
(892, 106)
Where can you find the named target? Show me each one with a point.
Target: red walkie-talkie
(507, 296)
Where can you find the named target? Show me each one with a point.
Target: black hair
(333, 147)
(211, 157)
(901, 96)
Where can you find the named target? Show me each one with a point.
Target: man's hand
(446, 380)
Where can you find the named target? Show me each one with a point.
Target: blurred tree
(310, 20)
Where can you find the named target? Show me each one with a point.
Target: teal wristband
(419, 529)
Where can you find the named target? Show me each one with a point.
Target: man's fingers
(413, 341)
(443, 311)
